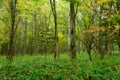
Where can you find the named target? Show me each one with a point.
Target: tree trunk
(69, 31)
(56, 55)
(119, 46)
(11, 45)
(100, 35)
(46, 30)
(118, 10)
(53, 7)
(78, 40)
(12, 7)
(95, 24)
(89, 53)
(25, 36)
(72, 31)
(36, 35)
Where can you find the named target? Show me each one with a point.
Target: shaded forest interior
(49, 26)
(59, 39)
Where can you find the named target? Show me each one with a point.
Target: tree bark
(53, 7)
(69, 31)
(12, 8)
(100, 35)
(46, 30)
(25, 36)
(36, 35)
(72, 31)
(95, 24)
(89, 53)
(118, 10)
(78, 40)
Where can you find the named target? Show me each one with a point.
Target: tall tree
(118, 13)
(72, 31)
(69, 32)
(95, 24)
(25, 36)
(13, 27)
(36, 33)
(53, 7)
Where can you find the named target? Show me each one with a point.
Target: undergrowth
(38, 67)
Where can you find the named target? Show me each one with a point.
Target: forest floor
(39, 67)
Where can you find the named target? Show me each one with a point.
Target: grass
(38, 67)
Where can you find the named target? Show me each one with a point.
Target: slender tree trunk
(56, 39)
(11, 45)
(78, 40)
(53, 7)
(46, 30)
(119, 47)
(100, 35)
(18, 42)
(118, 13)
(56, 55)
(32, 41)
(89, 45)
(12, 7)
(69, 33)
(89, 53)
(36, 34)
(25, 36)
(95, 24)
(72, 31)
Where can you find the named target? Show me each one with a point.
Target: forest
(59, 39)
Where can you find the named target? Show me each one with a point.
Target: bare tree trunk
(118, 10)
(53, 7)
(119, 43)
(72, 31)
(100, 36)
(69, 33)
(46, 30)
(18, 42)
(25, 36)
(32, 41)
(78, 40)
(12, 7)
(36, 33)
(95, 24)
(89, 45)
(89, 53)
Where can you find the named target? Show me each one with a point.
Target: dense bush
(46, 68)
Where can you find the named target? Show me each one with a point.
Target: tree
(100, 34)
(25, 36)
(53, 7)
(72, 31)
(13, 27)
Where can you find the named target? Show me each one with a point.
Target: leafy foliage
(46, 68)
